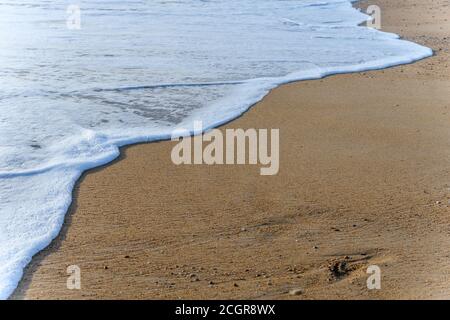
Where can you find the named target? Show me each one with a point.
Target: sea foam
(135, 71)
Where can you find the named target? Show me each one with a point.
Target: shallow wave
(133, 73)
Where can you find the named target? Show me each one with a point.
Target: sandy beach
(364, 180)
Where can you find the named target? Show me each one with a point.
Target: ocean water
(135, 71)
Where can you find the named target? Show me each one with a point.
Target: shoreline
(29, 287)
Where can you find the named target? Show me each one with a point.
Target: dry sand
(364, 179)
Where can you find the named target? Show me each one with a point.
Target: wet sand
(364, 180)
